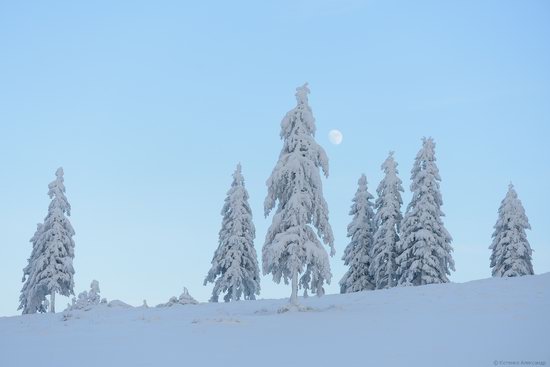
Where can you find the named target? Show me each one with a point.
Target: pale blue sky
(149, 106)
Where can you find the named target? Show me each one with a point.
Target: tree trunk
(390, 273)
(294, 295)
(52, 302)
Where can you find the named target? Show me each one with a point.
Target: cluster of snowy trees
(386, 248)
(292, 250)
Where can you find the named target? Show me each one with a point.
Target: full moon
(335, 137)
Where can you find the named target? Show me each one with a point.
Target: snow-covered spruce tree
(51, 269)
(31, 299)
(424, 246)
(235, 270)
(357, 254)
(291, 246)
(387, 222)
(511, 256)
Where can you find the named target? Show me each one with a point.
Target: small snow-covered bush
(87, 300)
(184, 299)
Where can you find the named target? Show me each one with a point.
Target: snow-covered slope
(481, 323)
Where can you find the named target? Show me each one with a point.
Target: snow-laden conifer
(292, 247)
(511, 252)
(235, 270)
(357, 254)
(424, 246)
(50, 269)
(31, 299)
(387, 222)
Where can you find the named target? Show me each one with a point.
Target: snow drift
(481, 323)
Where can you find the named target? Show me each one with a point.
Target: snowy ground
(482, 323)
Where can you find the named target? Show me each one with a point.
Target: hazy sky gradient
(149, 106)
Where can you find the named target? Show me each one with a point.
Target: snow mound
(118, 304)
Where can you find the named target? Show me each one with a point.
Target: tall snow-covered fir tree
(424, 246)
(291, 246)
(50, 269)
(31, 300)
(235, 270)
(387, 222)
(511, 256)
(357, 254)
